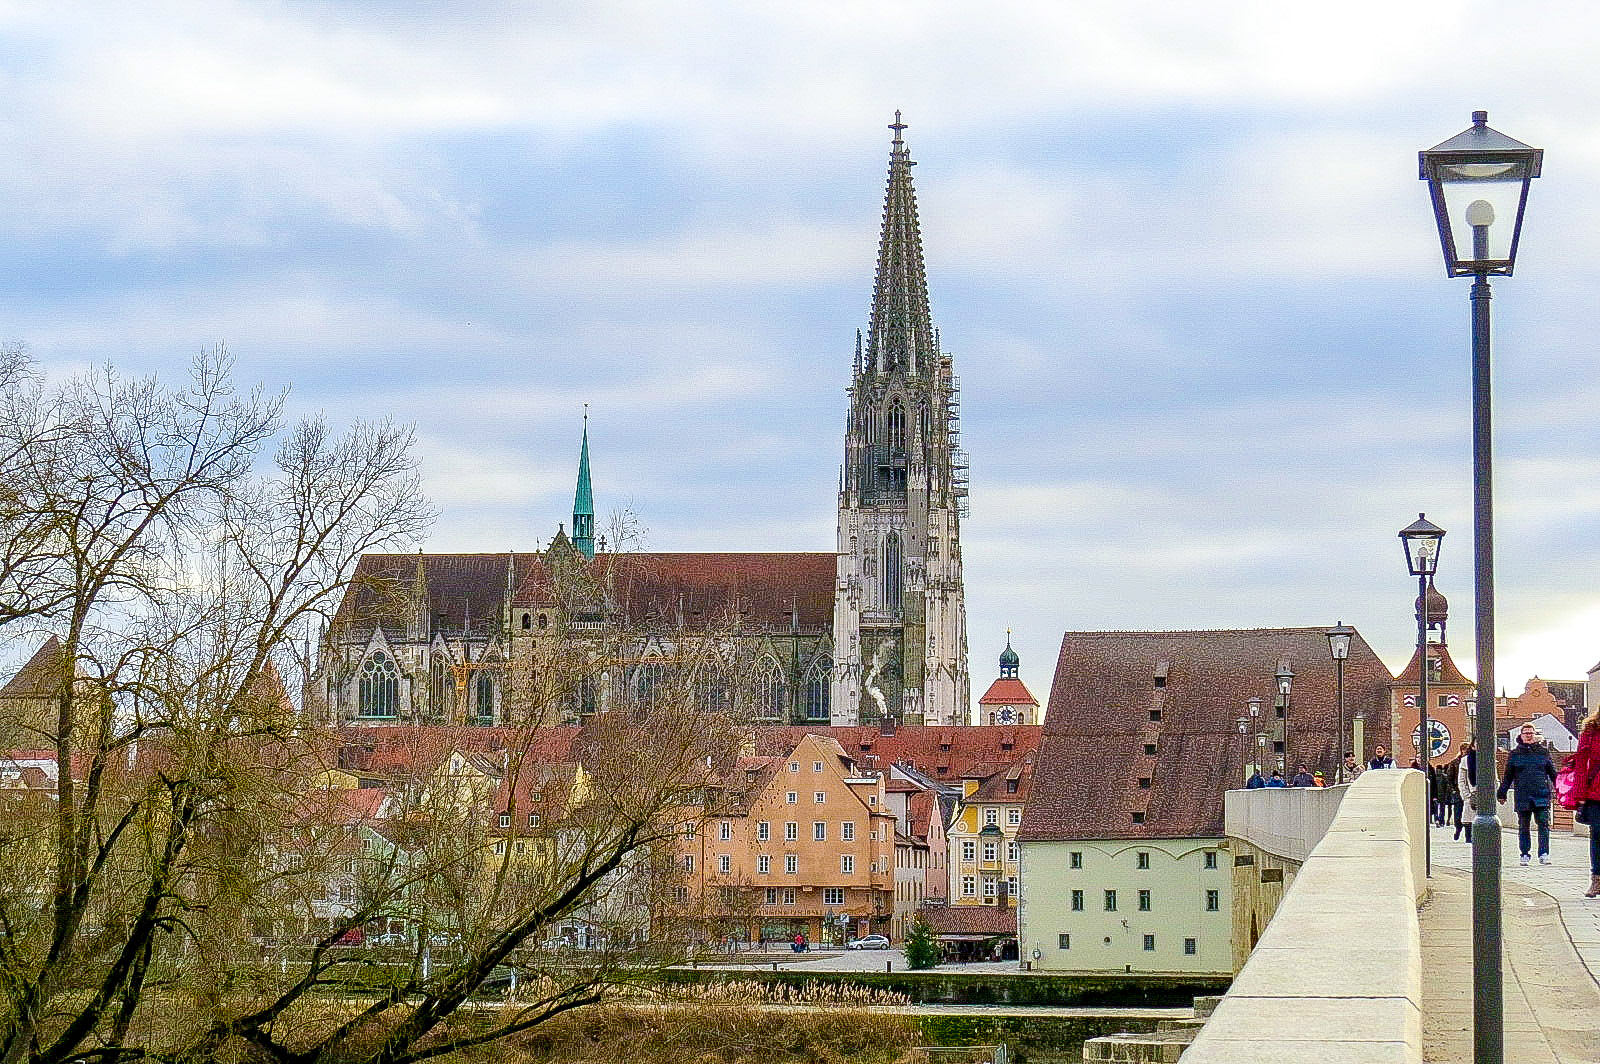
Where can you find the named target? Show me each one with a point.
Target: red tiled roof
(998, 787)
(1008, 691)
(760, 591)
(970, 919)
(940, 753)
(1098, 724)
(1448, 672)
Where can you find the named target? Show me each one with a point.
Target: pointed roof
(40, 677)
(900, 332)
(583, 498)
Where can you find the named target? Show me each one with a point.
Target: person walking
(1586, 789)
(1381, 759)
(1302, 778)
(1256, 781)
(1466, 784)
(1530, 770)
(1455, 796)
(1352, 768)
(1276, 780)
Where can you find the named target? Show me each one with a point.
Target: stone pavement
(1552, 998)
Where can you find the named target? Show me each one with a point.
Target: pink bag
(1567, 785)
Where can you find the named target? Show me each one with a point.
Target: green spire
(583, 501)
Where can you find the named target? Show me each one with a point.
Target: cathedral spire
(900, 332)
(583, 499)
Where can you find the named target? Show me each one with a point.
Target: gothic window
(379, 694)
(648, 680)
(441, 690)
(770, 691)
(817, 694)
(485, 698)
(711, 690)
(922, 424)
(586, 698)
(897, 426)
(891, 572)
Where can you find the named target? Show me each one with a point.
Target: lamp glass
(1422, 540)
(1339, 641)
(1285, 681)
(1478, 181)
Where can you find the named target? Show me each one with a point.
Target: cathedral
(874, 632)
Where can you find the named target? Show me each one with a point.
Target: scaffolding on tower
(959, 466)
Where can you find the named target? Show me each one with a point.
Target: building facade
(899, 618)
(1008, 700)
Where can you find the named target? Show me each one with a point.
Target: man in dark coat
(1255, 781)
(1530, 770)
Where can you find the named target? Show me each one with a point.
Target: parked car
(868, 942)
(390, 939)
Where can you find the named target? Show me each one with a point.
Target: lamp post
(1479, 178)
(1254, 706)
(1244, 761)
(1285, 677)
(1422, 539)
(1339, 647)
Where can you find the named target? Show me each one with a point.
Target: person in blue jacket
(1255, 782)
(1276, 780)
(1530, 770)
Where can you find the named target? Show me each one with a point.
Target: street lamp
(1422, 539)
(1285, 677)
(1244, 772)
(1254, 705)
(1339, 647)
(1490, 172)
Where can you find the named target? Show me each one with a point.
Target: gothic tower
(899, 614)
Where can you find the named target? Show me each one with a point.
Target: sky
(1179, 253)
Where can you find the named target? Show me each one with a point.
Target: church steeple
(583, 499)
(900, 332)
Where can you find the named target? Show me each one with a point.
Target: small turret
(583, 499)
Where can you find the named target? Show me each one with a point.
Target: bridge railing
(1337, 975)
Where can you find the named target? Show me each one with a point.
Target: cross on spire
(897, 126)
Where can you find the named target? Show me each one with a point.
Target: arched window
(891, 572)
(711, 689)
(647, 684)
(818, 679)
(380, 687)
(771, 693)
(441, 688)
(897, 426)
(527, 622)
(485, 699)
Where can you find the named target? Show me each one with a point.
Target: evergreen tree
(921, 950)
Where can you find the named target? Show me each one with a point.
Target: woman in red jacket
(1586, 788)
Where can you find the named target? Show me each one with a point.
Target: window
(1011, 886)
(788, 895)
(816, 766)
(724, 863)
(521, 845)
(1155, 714)
(1188, 947)
(1138, 818)
(794, 766)
(791, 863)
(991, 816)
(1011, 852)
(847, 864)
(544, 621)
(817, 694)
(1213, 901)
(680, 895)
(500, 848)
(989, 851)
(1144, 901)
(891, 572)
(969, 850)
(833, 895)
(763, 865)
(1149, 943)
(505, 820)
(1075, 859)
(969, 886)
(772, 895)
(1211, 858)
(725, 831)
(791, 830)
(1063, 941)
(764, 830)
(1142, 860)
(1144, 783)
(533, 820)
(1077, 901)
(989, 887)
(688, 830)
(821, 797)
(847, 831)
(1111, 901)
(527, 622)
(1013, 816)
(441, 689)
(1149, 749)
(648, 680)
(792, 797)
(379, 690)
(485, 699)
(819, 831)
(688, 862)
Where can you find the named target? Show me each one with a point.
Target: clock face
(1438, 738)
(1008, 715)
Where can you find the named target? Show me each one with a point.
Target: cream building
(982, 837)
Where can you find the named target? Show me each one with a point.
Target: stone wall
(1337, 973)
